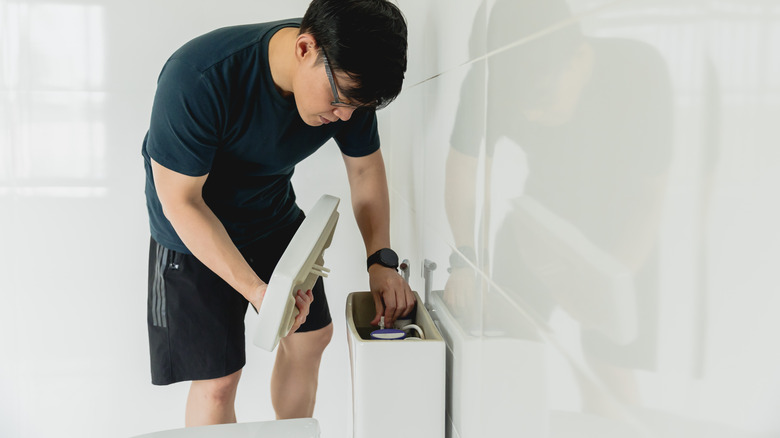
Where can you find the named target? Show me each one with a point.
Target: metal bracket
(428, 267)
(405, 268)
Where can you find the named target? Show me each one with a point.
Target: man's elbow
(175, 209)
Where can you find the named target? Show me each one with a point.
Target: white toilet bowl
(297, 428)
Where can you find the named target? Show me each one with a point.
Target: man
(234, 112)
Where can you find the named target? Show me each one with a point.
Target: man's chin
(312, 121)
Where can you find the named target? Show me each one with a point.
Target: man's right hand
(303, 303)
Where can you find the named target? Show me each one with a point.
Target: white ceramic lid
(295, 428)
(298, 269)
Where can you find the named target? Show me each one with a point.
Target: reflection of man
(591, 116)
(235, 111)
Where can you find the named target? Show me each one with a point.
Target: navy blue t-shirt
(217, 112)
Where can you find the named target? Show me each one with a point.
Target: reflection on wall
(591, 117)
(592, 164)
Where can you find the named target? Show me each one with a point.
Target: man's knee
(221, 390)
(324, 335)
(308, 343)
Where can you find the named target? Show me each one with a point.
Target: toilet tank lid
(298, 268)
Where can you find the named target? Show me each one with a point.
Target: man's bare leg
(212, 401)
(296, 371)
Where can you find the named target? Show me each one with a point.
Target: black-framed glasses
(329, 72)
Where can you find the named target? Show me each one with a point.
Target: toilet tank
(398, 386)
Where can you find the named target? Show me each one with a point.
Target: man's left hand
(392, 295)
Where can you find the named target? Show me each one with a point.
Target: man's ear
(306, 47)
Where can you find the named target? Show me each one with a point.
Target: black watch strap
(385, 257)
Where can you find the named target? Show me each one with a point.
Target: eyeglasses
(329, 72)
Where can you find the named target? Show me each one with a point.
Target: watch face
(388, 258)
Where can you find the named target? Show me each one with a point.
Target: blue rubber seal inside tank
(388, 334)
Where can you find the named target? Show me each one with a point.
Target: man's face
(314, 94)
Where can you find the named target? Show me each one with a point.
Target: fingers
(395, 305)
(393, 298)
(390, 308)
(303, 303)
(380, 308)
(399, 302)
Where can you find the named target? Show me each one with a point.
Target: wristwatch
(385, 257)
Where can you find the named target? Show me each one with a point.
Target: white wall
(691, 118)
(620, 189)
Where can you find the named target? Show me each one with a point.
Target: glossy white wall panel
(445, 34)
(575, 212)
(406, 232)
(444, 198)
(400, 130)
(440, 32)
(692, 166)
(419, 152)
(696, 115)
(717, 233)
(511, 23)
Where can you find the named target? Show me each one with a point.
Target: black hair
(365, 39)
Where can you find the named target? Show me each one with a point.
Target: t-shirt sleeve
(359, 136)
(183, 133)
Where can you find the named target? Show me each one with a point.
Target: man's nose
(343, 113)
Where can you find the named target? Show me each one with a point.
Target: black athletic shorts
(196, 320)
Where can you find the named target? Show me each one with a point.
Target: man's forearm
(372, 213)
(206, 237)
(370, 200)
